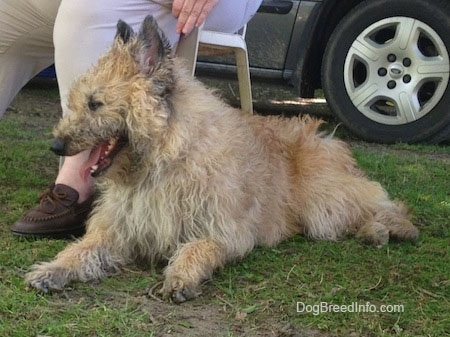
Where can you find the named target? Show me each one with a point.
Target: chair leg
(243, 73)
(187, 48)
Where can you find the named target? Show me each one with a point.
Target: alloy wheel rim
(397, 70)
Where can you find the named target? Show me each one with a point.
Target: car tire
(385, 71)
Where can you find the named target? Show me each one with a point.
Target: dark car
(383, 65)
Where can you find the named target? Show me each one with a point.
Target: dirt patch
(196, 319)
(205, 316)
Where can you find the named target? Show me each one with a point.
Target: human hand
(191, 13)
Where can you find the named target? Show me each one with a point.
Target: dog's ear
(124, 31)
(155, 46)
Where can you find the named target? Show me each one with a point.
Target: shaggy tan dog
(186, 178)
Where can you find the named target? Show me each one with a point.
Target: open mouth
(102, 156)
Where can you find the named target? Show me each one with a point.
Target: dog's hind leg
(373, 233)
(396, 220)
(388, 222)
(191, 264)
(85, 260)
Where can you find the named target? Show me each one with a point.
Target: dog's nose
(58, 147)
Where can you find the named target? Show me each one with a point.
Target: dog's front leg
(191, 264)
(88, 259)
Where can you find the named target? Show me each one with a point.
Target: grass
(257, 296)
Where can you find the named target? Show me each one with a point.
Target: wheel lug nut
(392, 58)
(406, 78)
(382, 71)
(391, 84)
(407, 61)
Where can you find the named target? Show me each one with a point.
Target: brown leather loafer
(58, 215)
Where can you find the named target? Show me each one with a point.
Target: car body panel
(288, 47)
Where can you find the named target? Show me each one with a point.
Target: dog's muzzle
(59, 147)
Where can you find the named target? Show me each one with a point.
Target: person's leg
(26, 44)
(231, 15)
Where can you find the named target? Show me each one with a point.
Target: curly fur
(200, 183)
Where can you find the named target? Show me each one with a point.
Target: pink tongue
(93, 159)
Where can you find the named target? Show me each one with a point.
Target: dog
(185, 178)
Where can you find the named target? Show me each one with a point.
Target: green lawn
(258, 296)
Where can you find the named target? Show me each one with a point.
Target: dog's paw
(178, 290)
(375, 234)
(47, 278)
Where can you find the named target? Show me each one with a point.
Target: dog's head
(120, 105)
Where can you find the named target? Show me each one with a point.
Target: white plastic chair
(188, 47)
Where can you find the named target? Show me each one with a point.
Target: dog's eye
(93, 104)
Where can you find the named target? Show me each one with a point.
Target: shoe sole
(72, 234)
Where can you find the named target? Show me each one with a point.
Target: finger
(193, 17)
(177, 6)
(207, 7)
(183, 14)
(197, 16)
